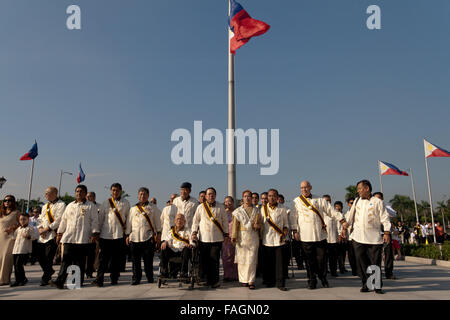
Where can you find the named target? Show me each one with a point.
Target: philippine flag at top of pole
(243, 27)
(30, 155)
(389, 169)
(432, 150)
(81, 175)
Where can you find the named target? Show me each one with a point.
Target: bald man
(312, 230)
(47, 225)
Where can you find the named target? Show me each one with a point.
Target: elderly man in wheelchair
(176, 251)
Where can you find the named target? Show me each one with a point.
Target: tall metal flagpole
(60, 180)
(381, 181)
(31, 183)
(231, 119)
(414, 195)
(431, 200)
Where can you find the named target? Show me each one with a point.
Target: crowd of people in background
(260, 236)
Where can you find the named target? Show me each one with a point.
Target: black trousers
(90, 261)
(286, 258)
(273, 269)
(142, 251)
(298, 253)
(73, 254)
(46, 254)
(210, 260)
(167, 254)
(332, 257)
(366, 255)
(388, 259)
(111, 255)
(315, 253)
(342, 248)
(19, 261)
(34, 255)
(259, 265)
(352, 257)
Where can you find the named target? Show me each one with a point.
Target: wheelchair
(175, 266)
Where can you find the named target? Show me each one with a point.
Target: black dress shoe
(15, 284)
(114, 282)
(325, 283)
(151, 280)
(343, 271)
(283, 288)
(56, 284)
(379, 291)
(312, 285)
(43, 284)
(216, 285)
(354, 274)
(135, 283)
(97, 283)
(334, 274)
(364, 289)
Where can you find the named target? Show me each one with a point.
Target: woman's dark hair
(13, 207)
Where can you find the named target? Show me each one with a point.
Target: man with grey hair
(47, 225)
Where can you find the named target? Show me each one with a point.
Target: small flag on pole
(432, 150)
(33, 153)
(389, 169)
(81, 175)
(243, 27)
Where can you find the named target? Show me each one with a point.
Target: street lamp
(2, 181)
(60, 180)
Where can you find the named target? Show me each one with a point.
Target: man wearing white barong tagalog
(210, 227)
(245, 235)
(367, 215)
(312, 230)
(274, 230)
(143, 235)
(79, 227)
(47, 224)
(186, 204)
(112, 219)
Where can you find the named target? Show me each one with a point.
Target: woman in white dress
(245, 235)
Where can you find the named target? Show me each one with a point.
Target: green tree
(124, 194)
(403, 205)
(352, 192)
(423, 209)
(67, 199)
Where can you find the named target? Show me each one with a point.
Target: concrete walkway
(414, 281)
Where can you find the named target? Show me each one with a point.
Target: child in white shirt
(24, 235)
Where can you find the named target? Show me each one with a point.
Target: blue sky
(111, 94)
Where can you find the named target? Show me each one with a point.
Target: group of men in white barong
(260, 234)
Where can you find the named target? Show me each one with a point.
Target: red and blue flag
(81, 175)
(33, 153)
(389, 169)
(243, 27)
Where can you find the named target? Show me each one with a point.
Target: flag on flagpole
(81, 175)
(389, 169)
(33, 153)
(432, 150)
(243, 27)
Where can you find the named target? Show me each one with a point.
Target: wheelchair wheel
(159, 283)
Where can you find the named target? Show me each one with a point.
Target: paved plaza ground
(415, 281)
